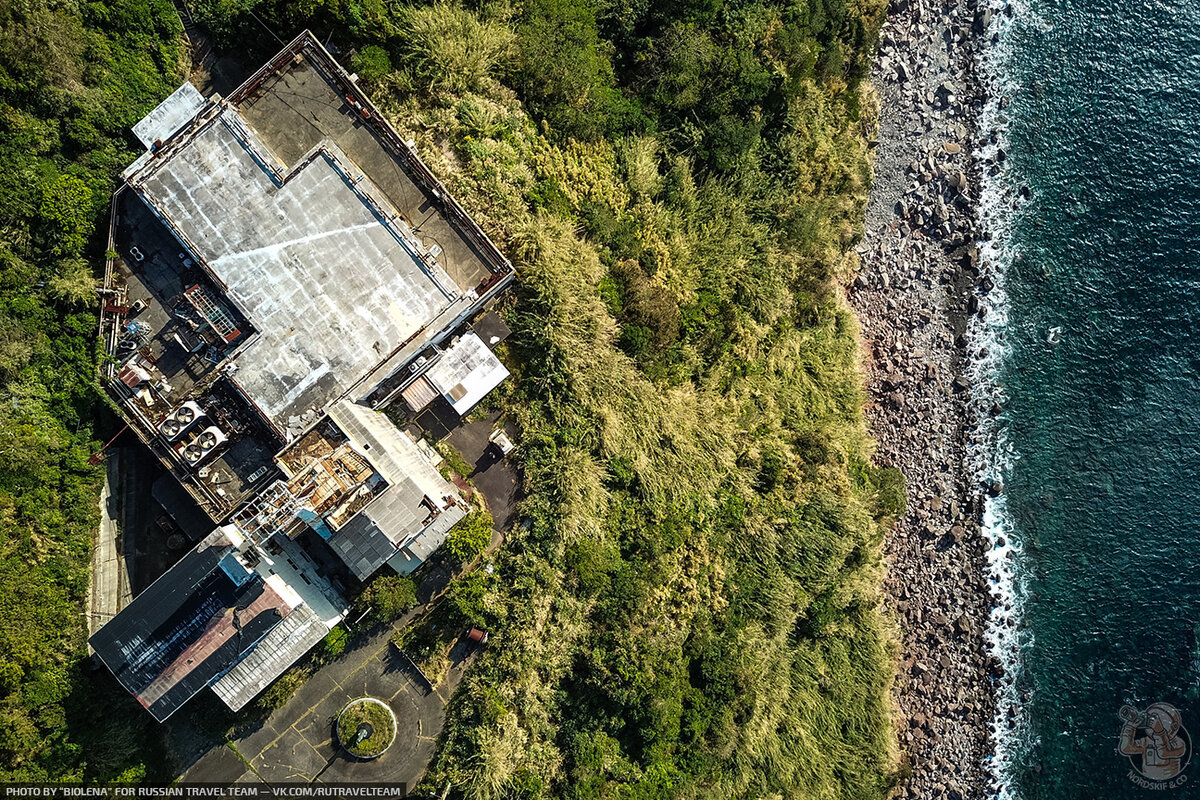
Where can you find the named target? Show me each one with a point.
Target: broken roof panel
(190, 626)
(281, 648)
(430, 539)
(417, 497)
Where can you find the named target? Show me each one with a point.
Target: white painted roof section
(294, 569)
(315, 259)
(466, 372)
(170, 115)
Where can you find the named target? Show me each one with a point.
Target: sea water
(1091, 344)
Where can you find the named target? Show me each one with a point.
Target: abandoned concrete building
(284, 267)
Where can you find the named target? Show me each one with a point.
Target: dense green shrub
(455, 462)
(469, 537)
(389, 596)
(566, 71)
(467, 595)
(334, 643)
(371, 63)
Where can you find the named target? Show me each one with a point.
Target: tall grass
(688, 607)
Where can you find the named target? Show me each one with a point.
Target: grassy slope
(692, 608)
(73, 78)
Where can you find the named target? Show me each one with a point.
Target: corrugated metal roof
(281, 648)
(362, 545)
(419, 393)
(416, 492)
(424, 544)
(188, 627)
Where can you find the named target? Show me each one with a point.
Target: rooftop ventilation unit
(180, 419)
(188, 412)
(203, 445)
(210, 437)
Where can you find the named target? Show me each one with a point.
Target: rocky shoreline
(919, 284)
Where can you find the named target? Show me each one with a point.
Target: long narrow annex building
(285, 266)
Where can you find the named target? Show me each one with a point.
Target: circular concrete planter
(366, 728)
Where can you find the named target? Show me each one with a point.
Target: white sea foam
(991, 455)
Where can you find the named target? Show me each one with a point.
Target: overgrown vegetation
(428, 642)
(388, 596)
(455, 462)
(73, 78)
(382, 730)
(469, 537)
(286, 685)
(691, 609)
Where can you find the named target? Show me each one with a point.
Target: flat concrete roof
(313, 258)
(304, 103)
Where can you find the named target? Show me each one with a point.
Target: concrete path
(110, 588)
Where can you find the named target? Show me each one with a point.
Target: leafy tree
(467, 595)
(73, 78)
(371, 63)
(334, 643)
(567, 74)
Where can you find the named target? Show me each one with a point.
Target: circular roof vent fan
(207, 440)
(170, 427)
(192, 454)
(185, 415)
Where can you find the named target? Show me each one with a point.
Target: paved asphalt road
(296, 744)
(494, 476)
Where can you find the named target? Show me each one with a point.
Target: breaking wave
(991, 455)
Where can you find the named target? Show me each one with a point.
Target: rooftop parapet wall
(306, 48)
(335, 250)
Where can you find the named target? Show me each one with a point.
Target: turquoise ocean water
(1092, 342)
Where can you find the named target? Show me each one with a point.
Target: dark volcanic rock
(919, 280)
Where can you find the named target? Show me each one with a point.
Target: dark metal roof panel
(188, 628)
